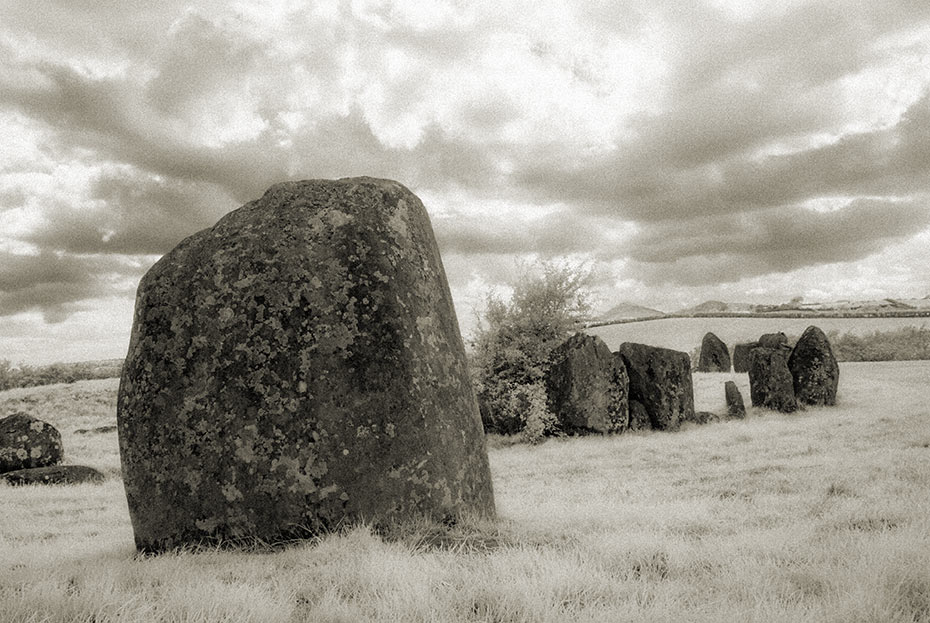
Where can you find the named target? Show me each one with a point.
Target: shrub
(514, 340)
(906, 343)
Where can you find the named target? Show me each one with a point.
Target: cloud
(57, 284)
(714, 249)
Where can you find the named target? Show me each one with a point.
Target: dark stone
(639, 417)
(53, 475)
(660, 379)
(741, 356)
(586, 387)
(772, 340)
(736, 408)
(26, 442)
(97, 430)
(296, 367)
(814, 370)
(714, 355)
(770, 383)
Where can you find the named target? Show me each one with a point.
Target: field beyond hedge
(818, 516)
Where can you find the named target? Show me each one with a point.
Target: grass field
(818, 516)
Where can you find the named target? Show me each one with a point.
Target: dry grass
(819, 516)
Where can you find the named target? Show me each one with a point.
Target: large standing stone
(639, 417)
(770, 383)
(297, 366)
(736, 408)
(714, 355)
(814, 370)
(741, 356)
(586, 387)
(26, 442)
(660, 379)
(772, 340)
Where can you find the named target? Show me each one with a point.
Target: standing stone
(770, 383)
(741, 356)
(773, 340)
(660, 379)
(26, 442)
(586, 387)
(735, 406)
(714, 355)
(295, 367)
(814, 370)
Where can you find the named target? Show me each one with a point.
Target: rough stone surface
(639, 417)
(772, 340)
(741, 356)
(736, 408)
(770, 383)
(705, 417)
(714, 355)
(814, 370)
(297, 366)
(586, 387)
(53, 475)
(660, 379)
(27, 442)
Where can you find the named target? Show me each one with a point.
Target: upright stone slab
(26, 442)
(741, 356)
(660, 379)
(814, 370)
(736, 408)
(297, 366)
(772, 340)
(587, 387)
(714, 355)
(770, 383)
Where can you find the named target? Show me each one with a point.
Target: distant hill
(707, 307)
(623, 311)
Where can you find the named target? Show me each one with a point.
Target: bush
(29, 376)
(906, 343)
(514, 340)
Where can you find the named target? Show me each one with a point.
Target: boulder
(705, 417)
(770, 383)
(639, 417)
(296, 367)
(772, 340)
(27, 442)
(53, 475)
(586, 387)
(814, 370)
(660, 379)
(736, 408)
(714, 355)
(741, 356)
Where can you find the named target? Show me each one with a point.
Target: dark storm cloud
(710, 249)
(55, 284)
(131, 214)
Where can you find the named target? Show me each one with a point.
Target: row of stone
(31, 452)
(592, 390)
(784, 378)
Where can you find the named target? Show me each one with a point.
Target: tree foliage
(514, 340)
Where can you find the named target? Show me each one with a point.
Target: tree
(514, 340)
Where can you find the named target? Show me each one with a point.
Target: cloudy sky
(743, 150)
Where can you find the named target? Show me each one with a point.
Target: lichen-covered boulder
(814, 370)
(295, 367)
(736, 408)
(586, 387)
(715, 357)
(660, 379)
(27, 442)
(770, 382)
(53, 475)
(772, 340)
(741, 356)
